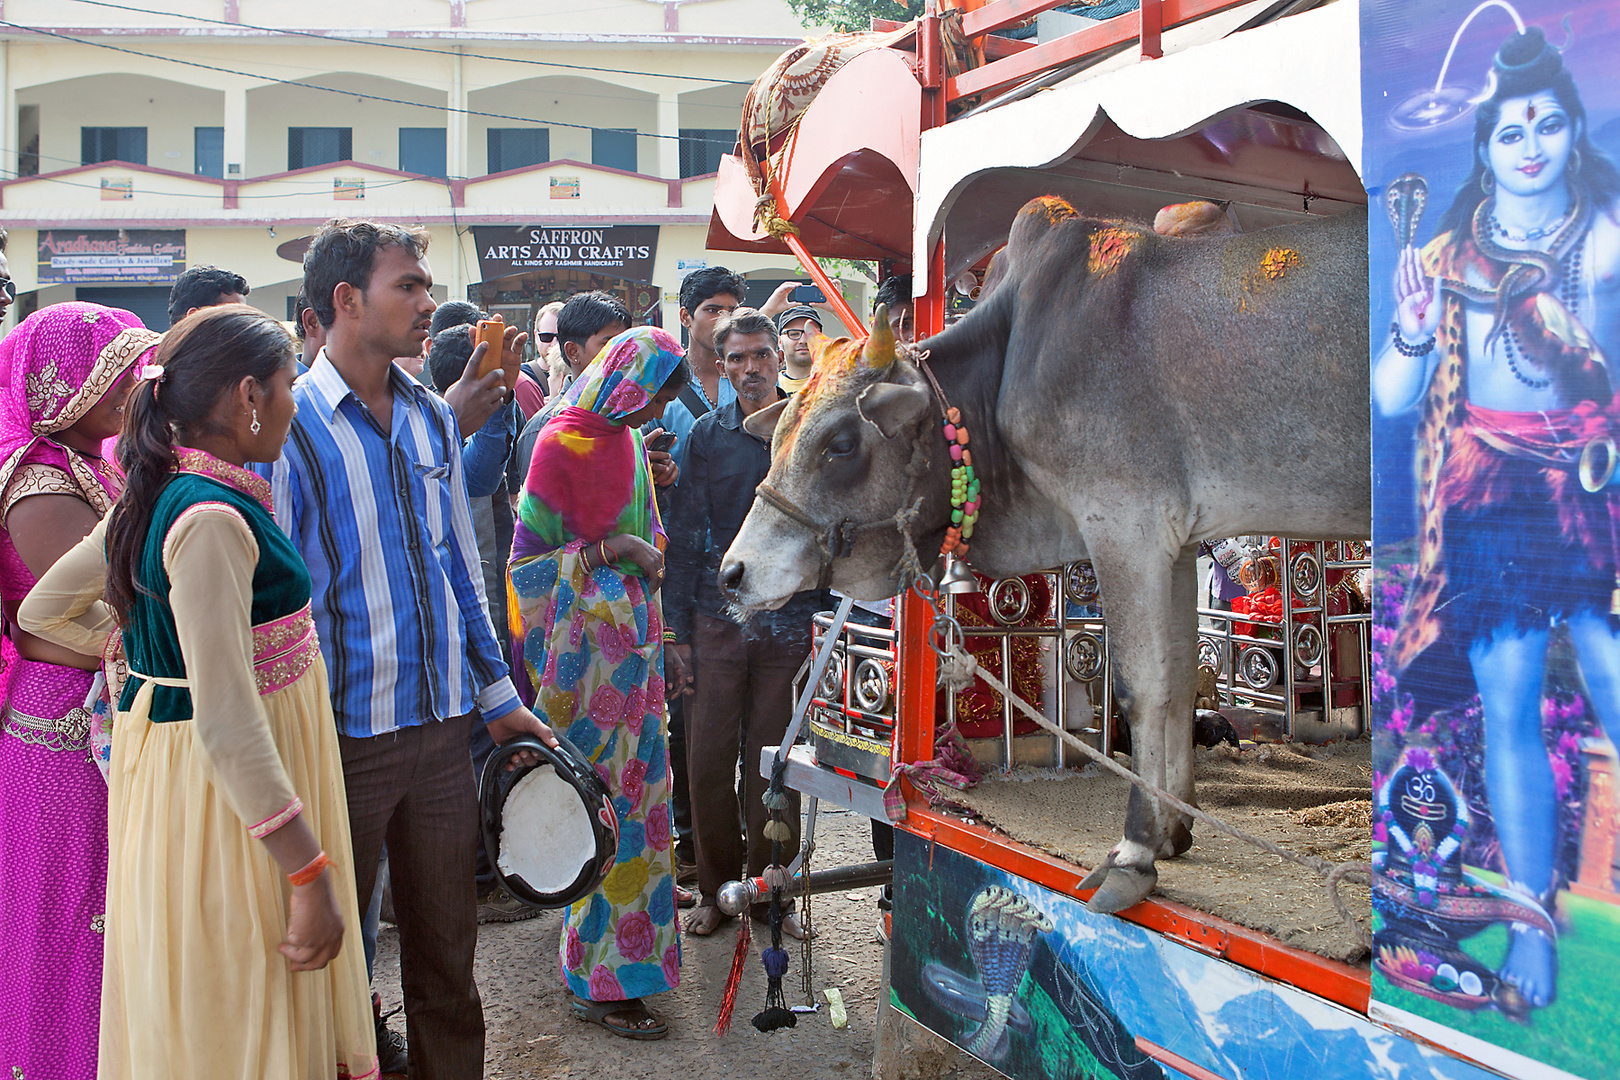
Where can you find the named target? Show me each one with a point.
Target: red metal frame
(1143, 26)
(1340, 983)
(915, 673)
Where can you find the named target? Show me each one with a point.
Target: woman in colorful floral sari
(64, 374)
(586, 562)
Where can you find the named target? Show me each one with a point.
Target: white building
(143, 136)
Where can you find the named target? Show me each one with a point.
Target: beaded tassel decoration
(964, 487)
(776, 1014)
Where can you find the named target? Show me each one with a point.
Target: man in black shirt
(743, 673)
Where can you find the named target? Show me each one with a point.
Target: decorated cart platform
(914, 147)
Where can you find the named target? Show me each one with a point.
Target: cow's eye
(841, 446)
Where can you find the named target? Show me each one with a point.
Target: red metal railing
(1143, 26)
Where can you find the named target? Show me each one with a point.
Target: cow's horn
(879, 350)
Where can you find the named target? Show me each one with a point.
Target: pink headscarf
(54, 367)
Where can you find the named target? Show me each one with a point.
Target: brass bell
(957, 577)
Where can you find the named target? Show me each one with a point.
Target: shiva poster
(1492, 164)
(1034, 985)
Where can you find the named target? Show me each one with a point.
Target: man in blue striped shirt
(370, 488)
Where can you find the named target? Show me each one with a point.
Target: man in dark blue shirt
(743, 673)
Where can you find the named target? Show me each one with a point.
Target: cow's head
(850, 451)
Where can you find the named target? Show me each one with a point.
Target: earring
(1575, 162)
(254, 427)
(1487, 181)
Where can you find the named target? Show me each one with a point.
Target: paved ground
(533, 1034)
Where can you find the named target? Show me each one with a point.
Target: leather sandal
(600, 1012)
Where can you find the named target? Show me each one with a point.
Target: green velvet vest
(281, 586)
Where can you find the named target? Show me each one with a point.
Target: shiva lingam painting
(1429, 902)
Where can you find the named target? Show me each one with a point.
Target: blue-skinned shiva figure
(1501, 328)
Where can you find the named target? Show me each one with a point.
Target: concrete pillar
(8, 118)
(455, 124)
(457, 158)
(669, 128)
(235, 132)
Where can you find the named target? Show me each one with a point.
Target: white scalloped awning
(1310, 62)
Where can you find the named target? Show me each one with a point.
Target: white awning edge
(1311, 61)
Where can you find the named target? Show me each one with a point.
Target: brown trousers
(743, 703)
(414, 789)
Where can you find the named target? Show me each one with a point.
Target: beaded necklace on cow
(965, 500)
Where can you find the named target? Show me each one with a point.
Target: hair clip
(154, 374)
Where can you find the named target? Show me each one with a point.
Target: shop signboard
(621, 251)
(111, 256)
(1491, 135)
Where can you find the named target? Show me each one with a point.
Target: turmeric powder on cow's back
(1273, 267)
(1111, 245)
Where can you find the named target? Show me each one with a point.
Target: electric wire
(407, 48)
(8, 175)
(325, 89)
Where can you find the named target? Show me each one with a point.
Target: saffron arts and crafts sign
(111, 256)
(621, 251)
(1491, 136)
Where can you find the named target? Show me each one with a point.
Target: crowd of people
(272, 599)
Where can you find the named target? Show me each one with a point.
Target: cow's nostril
(731, 575)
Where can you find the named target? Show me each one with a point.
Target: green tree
(854, 14)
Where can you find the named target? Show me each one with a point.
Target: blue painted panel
(1070, 994)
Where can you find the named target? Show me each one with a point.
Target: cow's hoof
(1118, 887)
(1181, 838)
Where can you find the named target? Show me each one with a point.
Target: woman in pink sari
(64, 374)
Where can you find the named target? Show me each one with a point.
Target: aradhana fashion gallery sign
(111, 256)
(621, 251)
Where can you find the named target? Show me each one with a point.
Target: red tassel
(739, 960)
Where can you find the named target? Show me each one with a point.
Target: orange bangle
(316, 867)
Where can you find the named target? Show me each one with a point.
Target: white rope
(1332, 874)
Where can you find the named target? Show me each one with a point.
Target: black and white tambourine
(549, 829)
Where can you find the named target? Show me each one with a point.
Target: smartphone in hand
(662, 441)
(492, 333)
(809, 294)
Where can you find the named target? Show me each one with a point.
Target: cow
(1126, 395)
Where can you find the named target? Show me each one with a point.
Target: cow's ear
(890, 407)
(762, 425)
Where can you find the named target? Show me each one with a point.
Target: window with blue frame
(614, 147)
(422, 150)
(517, 148)
(208, 151)
(702, 149)
(310, 146)
(97, 144)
